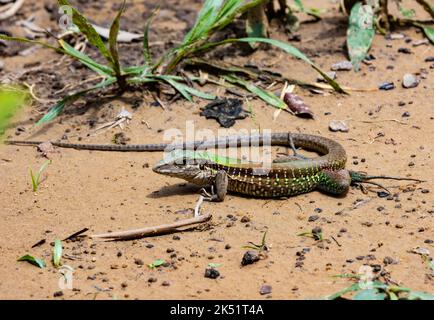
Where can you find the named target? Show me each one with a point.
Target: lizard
(285, 177)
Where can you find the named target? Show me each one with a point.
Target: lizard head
(184, 164)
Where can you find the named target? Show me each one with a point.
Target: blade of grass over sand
(32, 260)
(89, 31)
(113, 44)
(268, 97)
(285, 47)
(86, 60)
(146, 51)
(36, 42)
(57, 253)
(58, 108)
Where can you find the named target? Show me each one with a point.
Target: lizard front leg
(219, 189)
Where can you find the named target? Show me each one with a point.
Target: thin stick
(153, 231)
(198, 205)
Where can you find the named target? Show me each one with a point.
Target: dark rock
(212, 273)
(250, 257)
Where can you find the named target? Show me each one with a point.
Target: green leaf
(32, 260)
(370, 294)
(429, 32)
(113, 40)
(419, 295)
(58, 107)
(360, 33)
(86, 60)
(354, 287)
(12, 99)
(146, 52)
(268, 97)
(156, 263)
(89, 31)
(285, 47)
(18, 39)
(57, 253)
(299, 5)
(186, 90)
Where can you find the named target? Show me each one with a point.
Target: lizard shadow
(174, 190)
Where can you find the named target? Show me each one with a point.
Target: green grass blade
(32, 260)
(57, 253)
(89, 31)
(354, 287)
(86, 60)
(179, 87)
(299, 5)
(58, 108)
(113, 40)
(44, 44)
(146, 51)
(297, 53)
(268, 97)
(34, 183)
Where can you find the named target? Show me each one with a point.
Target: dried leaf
(296, 104)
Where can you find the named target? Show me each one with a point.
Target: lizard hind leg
(335, 182)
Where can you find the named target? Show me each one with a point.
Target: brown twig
(153, 231)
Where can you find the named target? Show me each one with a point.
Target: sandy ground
(118, 191)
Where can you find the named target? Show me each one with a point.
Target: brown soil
(118, 191)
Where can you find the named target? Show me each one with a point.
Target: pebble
(395, 36)
(338, 125)
(124, 285)
(212, 273)
(410, 81)
(58, 294)
(245, 219)
(265, 289)
(313, 218)
(250, 257)
(404, 50)
(420, 42)
(428, 241)
(139, 262)
(342, 66)
(386, 86)
(166, 284)
(389, 260)
(228, 246)
(429, 59)
(152, 280)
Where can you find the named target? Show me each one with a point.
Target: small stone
(389, 260)
(395, 36)
(58, 294)
(166, 284)
(265, 289)
(410, 81)
(420, 42)
(245, 219)
(338, 125)
(404, 50)
(228, 246)
(428, 241)
(250, 257)
(386, 86)
(399, 226)
(152, 280)
(342, 66)
(212, 273)
(139, 262)
(406, 114)
(170, 250)
(382, 194)
(429, 59)
(176, 238)
(313, 218)
(425, 191)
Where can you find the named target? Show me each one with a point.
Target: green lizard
(285, 177)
